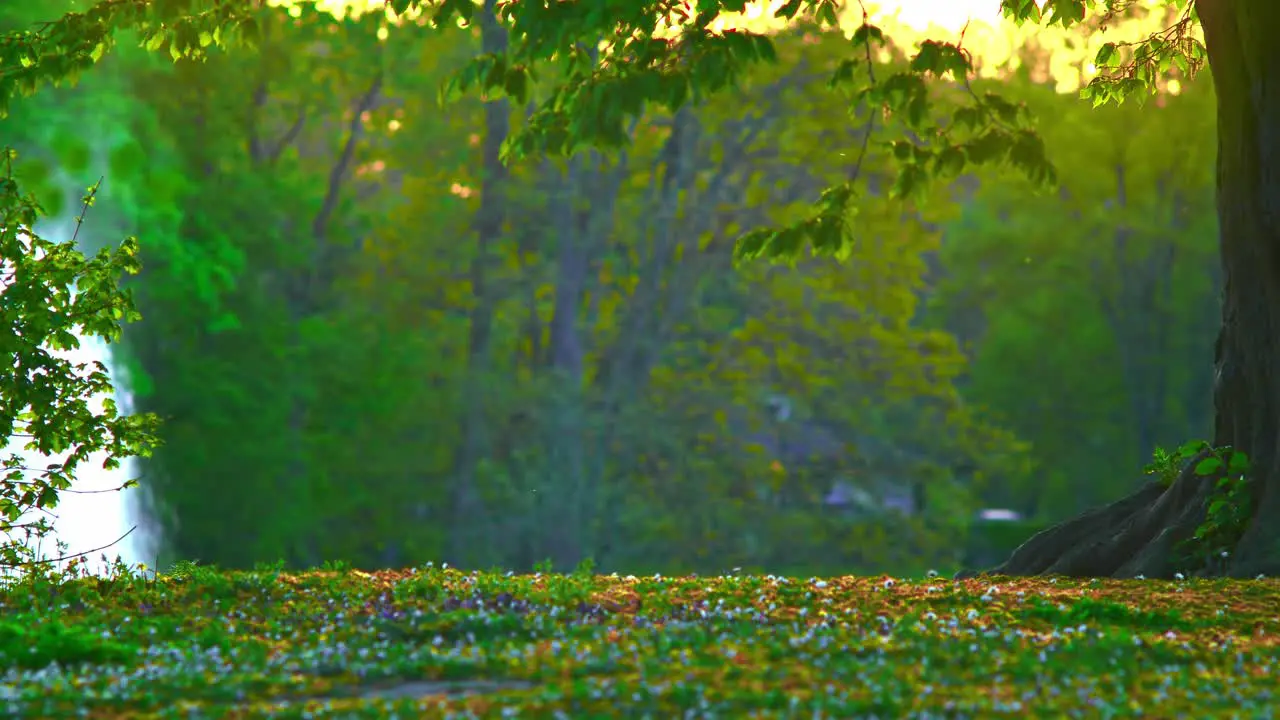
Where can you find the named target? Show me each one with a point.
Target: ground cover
(437, 642)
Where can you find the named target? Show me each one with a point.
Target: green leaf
(1238, 464)
(1066, 12)
(967, 118)
(949, 163)
(843, 73)
(866, 34)
(750, 245)
(1208, 466)
(250, 33)
(1021, 11)
(788, 10)
(766, 50)
(910, 183)
(516, 85)
(917, 110)
(827, 14)
(1106, 54)
(926, 60)
(1193, 447)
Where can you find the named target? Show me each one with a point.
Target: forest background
(371, 341)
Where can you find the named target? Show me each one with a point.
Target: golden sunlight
(976, 24)
(949, 15)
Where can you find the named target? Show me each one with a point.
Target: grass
(436, 642)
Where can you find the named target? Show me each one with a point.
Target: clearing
(437, 642)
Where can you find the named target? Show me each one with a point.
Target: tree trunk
(1136, 535)
(467, 540)
(567, 411)
(1241, 39)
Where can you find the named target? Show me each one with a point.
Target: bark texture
(1136, 535)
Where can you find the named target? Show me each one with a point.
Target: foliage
(590, 322)
(1229, 506)
(271, 302)
(381, 397)
(548, 645)
(1227, 512)
(1098, 292)
(665, 55)
(52, 293)
(1138, 69)
(1166, 466)
(35, 643)
(60, 51)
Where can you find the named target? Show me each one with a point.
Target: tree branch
(319, 225)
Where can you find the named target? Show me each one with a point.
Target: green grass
(435, 642)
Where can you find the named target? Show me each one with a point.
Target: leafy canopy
(614, 58)
(617, 56)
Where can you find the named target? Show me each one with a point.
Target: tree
(49, 292)
(668, 54)
(1143, 533)
(240, 295)
(1097, 290)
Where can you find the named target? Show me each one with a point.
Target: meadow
(437, 642)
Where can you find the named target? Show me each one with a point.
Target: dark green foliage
(1229, 505)
(35, 643)
(283, 361)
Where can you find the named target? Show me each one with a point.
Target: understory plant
(1228, 506)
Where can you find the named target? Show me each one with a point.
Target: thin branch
(48, 561)
(291, 135)
(339, 169)
(84, 210)
(259, 101)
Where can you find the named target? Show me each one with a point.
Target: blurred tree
(1098, 291)
(605, 89)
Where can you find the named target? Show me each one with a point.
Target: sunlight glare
(949, 15)
(978, 25)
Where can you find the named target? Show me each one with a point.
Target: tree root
(1136, 535)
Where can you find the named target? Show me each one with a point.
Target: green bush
(33, 645)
